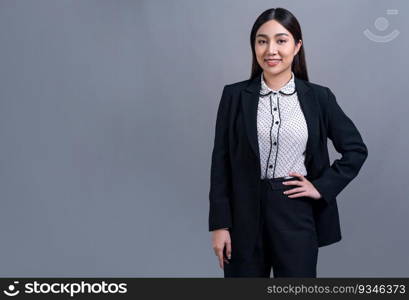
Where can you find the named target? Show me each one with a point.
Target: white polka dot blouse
(282, 131)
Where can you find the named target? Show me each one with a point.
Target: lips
(272, 62)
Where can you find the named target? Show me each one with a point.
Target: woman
(272, 188)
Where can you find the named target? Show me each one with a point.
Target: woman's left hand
(305, 189)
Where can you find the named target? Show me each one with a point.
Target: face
(275, 48)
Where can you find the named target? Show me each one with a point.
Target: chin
(273, 71)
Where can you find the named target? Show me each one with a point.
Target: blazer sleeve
(220, 173)
(347, 141)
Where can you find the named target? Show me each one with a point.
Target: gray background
(107, 115)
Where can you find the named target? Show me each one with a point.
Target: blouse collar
(287, 89)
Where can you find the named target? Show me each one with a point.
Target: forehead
(272, 28)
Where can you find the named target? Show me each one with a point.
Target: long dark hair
(289, 22)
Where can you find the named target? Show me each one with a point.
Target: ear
(297, 47)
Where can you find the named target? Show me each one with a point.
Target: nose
(272, 48)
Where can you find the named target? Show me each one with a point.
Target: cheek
(258, 50)
(287, 55)
(259, 53)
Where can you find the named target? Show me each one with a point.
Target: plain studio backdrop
(107, 118)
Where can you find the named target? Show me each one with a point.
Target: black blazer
(235, 168)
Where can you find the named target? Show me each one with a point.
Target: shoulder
(231, 92)
(237, 86)
(322, 93)
(319, 90)
(316, 86)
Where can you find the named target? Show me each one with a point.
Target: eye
(282, 41)
(261, 41)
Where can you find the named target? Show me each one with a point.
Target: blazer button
(274, 143)
(270, 166)
(276, 122)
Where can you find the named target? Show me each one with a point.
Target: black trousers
(287, 240)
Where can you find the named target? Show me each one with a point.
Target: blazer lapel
(310, 110)
(250, 98)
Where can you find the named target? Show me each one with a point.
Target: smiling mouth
(272, 62)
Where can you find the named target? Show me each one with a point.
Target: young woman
(272, 188)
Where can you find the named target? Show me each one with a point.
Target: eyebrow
(266, 36)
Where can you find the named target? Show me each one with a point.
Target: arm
(347, 141)
(220, 173)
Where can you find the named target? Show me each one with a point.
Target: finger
(293, 183)
(228, 250)
(298, 195)
(220, 257)
(297, 175)
(219, 252)
(292, 191)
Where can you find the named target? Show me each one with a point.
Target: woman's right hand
(221, 239)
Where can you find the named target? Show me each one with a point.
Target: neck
(277, 81)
